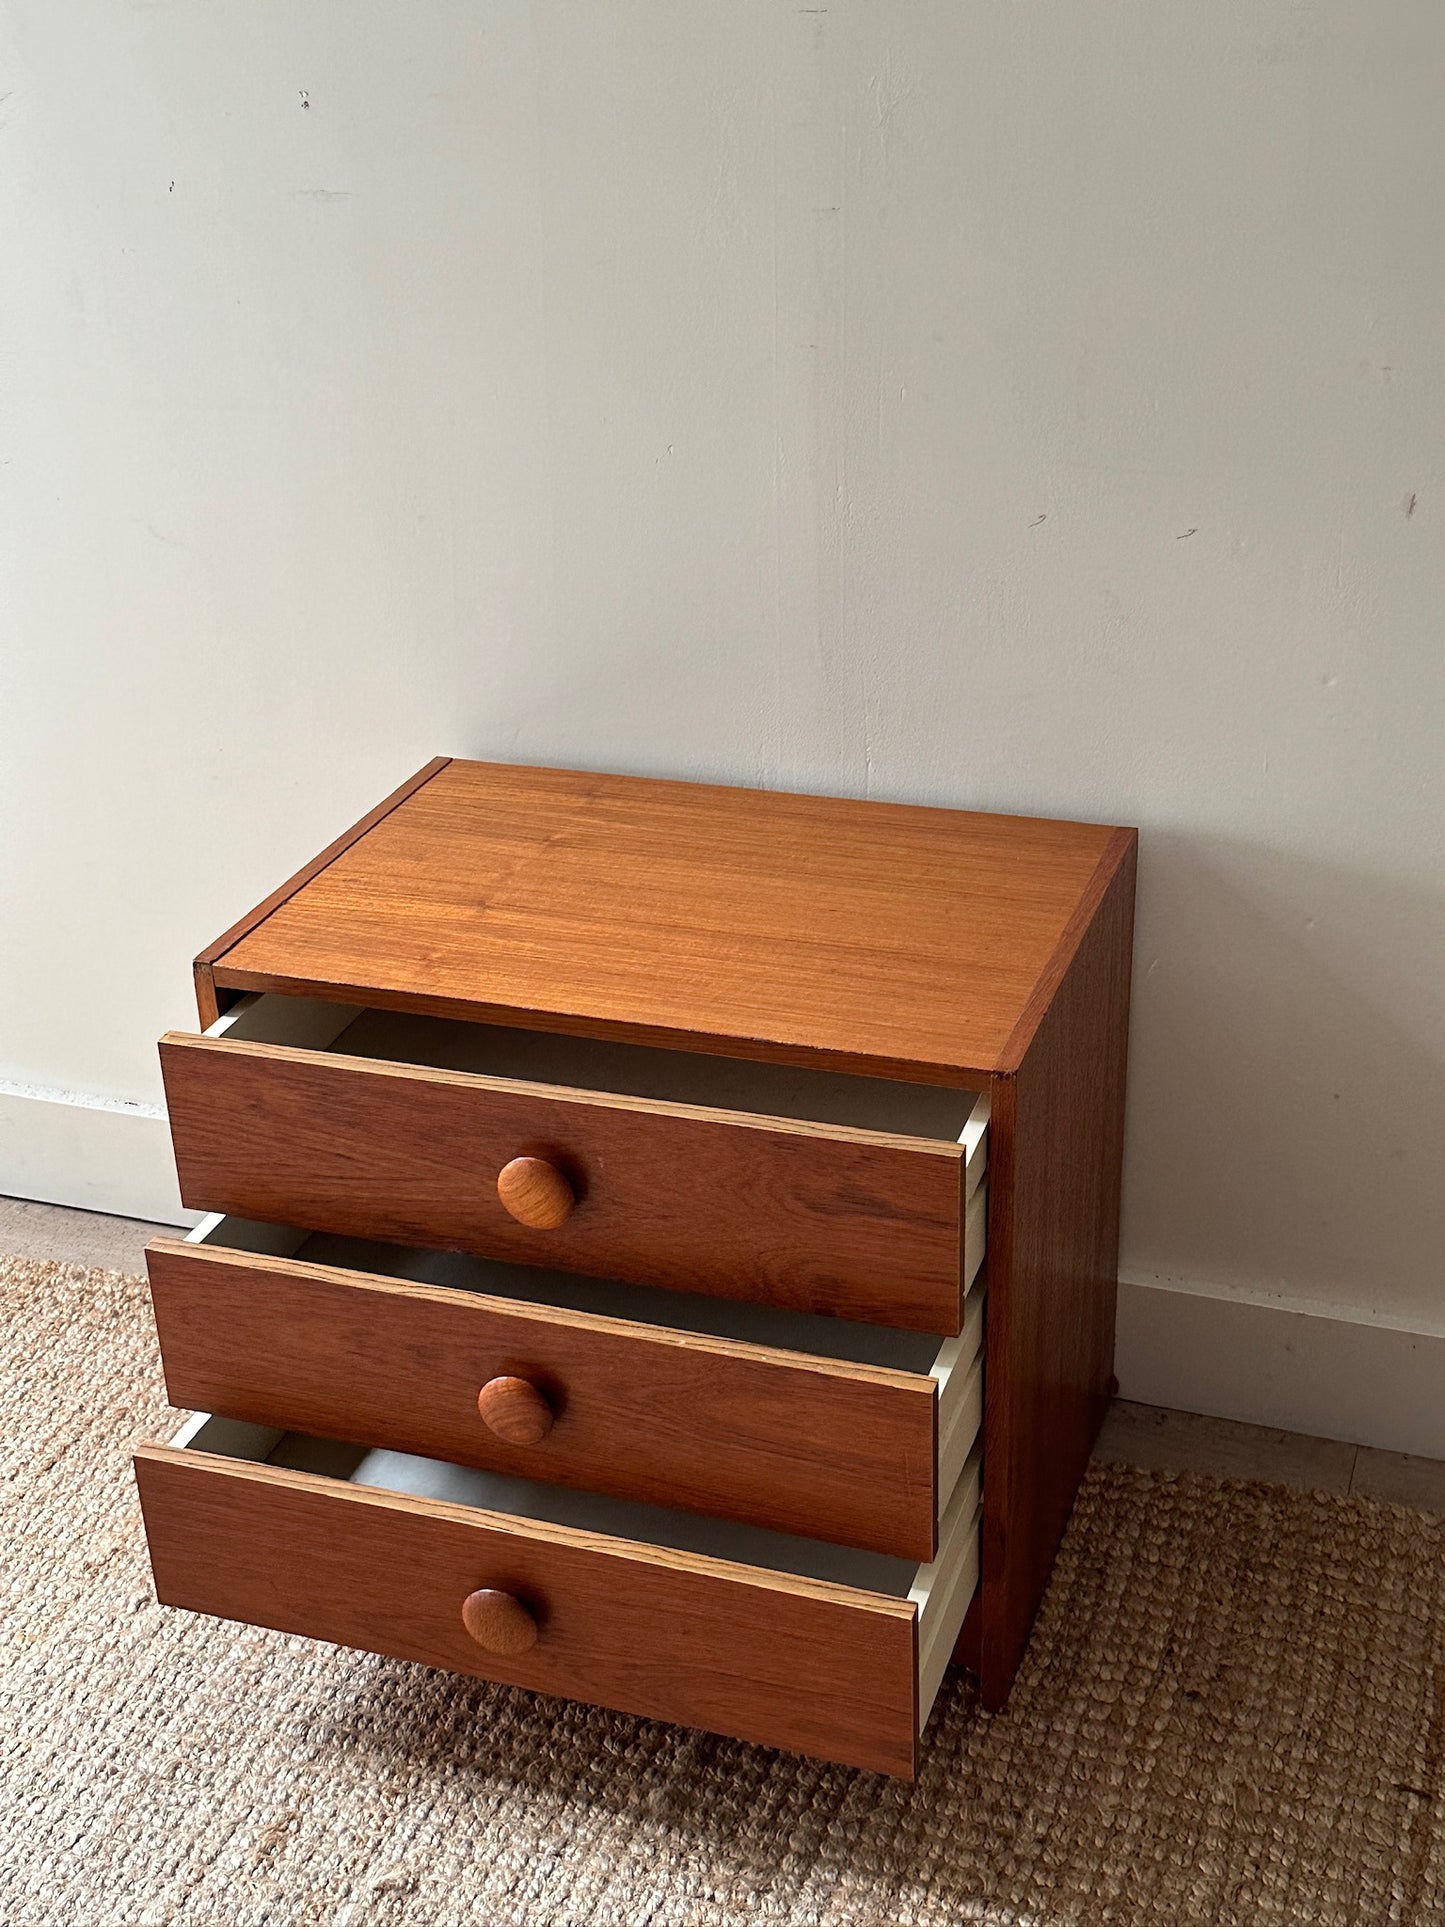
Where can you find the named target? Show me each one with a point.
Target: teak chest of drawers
(663, 1245)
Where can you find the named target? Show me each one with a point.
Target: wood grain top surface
(911, 942)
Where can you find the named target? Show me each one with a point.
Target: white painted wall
(1039, 408)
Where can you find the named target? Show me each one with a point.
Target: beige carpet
(1233, 1711)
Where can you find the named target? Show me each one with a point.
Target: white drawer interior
(941, 1588)
(955, 1364)
(626, 1070)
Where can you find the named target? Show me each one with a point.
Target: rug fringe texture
(1232, 1712)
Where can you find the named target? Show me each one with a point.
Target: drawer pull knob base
(535, 1193)
(498, 1622)
(515, 1410)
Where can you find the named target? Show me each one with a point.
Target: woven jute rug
(1233, 1710)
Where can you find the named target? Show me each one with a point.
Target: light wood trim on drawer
(765, 1656)
(858, 1224)
(823, 1447)
(944, 1589)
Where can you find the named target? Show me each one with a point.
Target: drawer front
(821, 1218)
(763, 1656)
(816, 1446)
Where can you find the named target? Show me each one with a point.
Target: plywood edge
(208, 1007)
(916, 1722)
(205, 973)
(1122, 848)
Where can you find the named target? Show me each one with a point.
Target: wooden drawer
(808, 1189)
(782, 1641)
(855, 1433)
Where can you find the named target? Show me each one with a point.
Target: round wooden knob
(515, 1410)
(535, 1192)
(498, 1622)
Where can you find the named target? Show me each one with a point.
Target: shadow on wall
(1286, 1128)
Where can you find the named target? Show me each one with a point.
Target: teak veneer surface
(828, 1449)
(764, 1656)
(815, 1217)
(934, 946)
(910, 942)
(1055, 1154)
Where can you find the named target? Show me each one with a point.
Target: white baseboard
(64, 1147)
(1282, 1365)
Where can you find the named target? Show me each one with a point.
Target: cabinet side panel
(1056, 1146)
